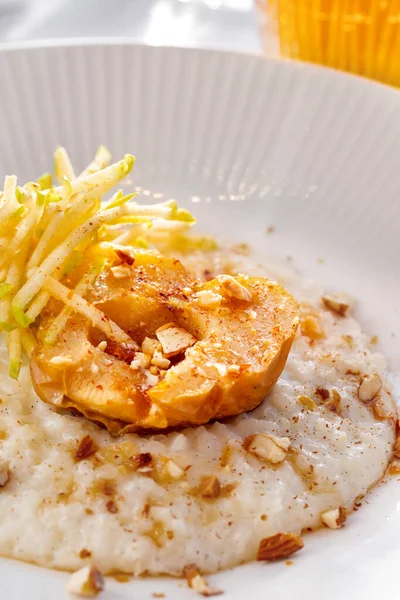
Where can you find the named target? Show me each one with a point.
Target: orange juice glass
(360, 36)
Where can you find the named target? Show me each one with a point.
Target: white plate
(246, 143)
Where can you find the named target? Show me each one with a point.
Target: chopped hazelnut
(120, 271)
(88, 582)
(369, 387)
(112, 507)
(233, 289)
(174, 339)
(125, 254)
(173, 470)
(141, 360)
(61, 361)
(394, 468)
(311, 328)
(267, 448)
(210, 487)
(334, 518)
(338, 307)
(86, 447)
(279, 546)
(149, 346)
(307, 402)
(198, 583)
(144, 462)
(208, 299)
(333, 404)
(160, 361)
(151, 379)
(323, 393)
(379, 409)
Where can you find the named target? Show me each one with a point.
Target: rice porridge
(203, 495)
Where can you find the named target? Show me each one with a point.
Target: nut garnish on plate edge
(334, 518)
(336, 306)
(88, 582)
(198, 583)
(279, 546)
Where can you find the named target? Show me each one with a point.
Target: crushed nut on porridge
(198, 583)
(209, 487)
(173, 470)
(311, 327)
(86, 448)
(88, 582)
(279, 546)
(369, 387)
(267, 447)
(336, 306)
(307, 402)
(333, 403)
(334, 518)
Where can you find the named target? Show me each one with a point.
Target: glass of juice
(360, 36)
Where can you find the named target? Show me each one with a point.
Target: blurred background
(360, 36)
(225, 24)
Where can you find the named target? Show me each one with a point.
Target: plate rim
(124, 41)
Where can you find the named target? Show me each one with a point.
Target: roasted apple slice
(199, 351)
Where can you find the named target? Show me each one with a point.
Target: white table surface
(222, 24)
